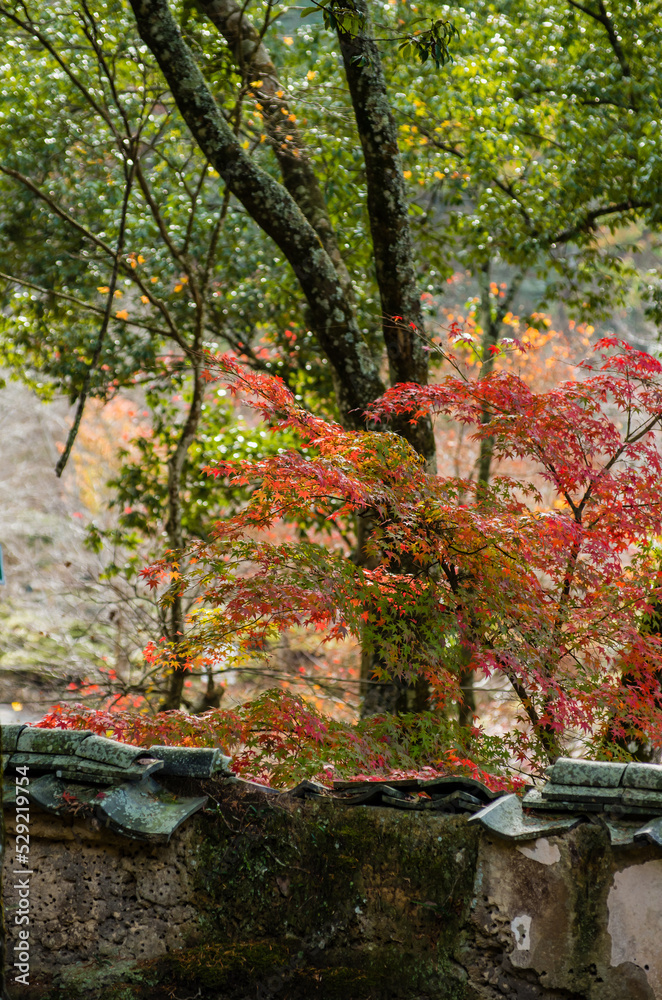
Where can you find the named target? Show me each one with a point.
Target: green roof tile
(193, 762)
(9, 737)
(650, 833)
(506, 818)
(643, 798)
(107, 751)
(590, 773)
(621, 832)
(75, 768)
(643, 776)
(55, 795)
(51, 741)
(145, 811)
(578, 793)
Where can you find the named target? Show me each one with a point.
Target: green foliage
(540, 147)
(433, 43)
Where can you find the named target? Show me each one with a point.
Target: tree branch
(256, 67)
(82, 304)
(82, 398)
(592, 217)
(357, 380)
(603, 18)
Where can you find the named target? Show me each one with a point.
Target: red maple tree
(558, 597)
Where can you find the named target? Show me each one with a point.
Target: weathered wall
(266, 896)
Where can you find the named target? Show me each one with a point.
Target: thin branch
(603, 18)
(82, 304)
(591, 218)
(30, 28)
(82, 398)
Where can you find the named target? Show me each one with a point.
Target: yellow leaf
(311, 74)
(118, 293)
(110, 733)
(17, 706)
(178, 288)
(153, 280)
(288, 39)
(257, 83)
(144, 300)
(406, 174)
(438, 174)
(141, 259)
(122, 314)
(245, 144)
(104, 289)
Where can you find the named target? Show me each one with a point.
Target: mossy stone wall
(265, 896)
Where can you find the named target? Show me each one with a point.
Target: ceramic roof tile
(452, 783)
(193, 762)
(579, 793)
(642, 797)
(62, 797)
(621, 832)
(643, 776)
(106, 751)
(619, 796)
(507, 819)
(591, 773)
(73, 767)
(50, 741)
(650, 833)
(309, 789)
(74, 771)
(9, 737)
(84, 772)
(143, 810)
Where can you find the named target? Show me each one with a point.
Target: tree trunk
(356, 378)
(176, 466)
(261, 81)
(491, 321)
(403, 327)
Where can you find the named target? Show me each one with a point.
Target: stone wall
(266, 896)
